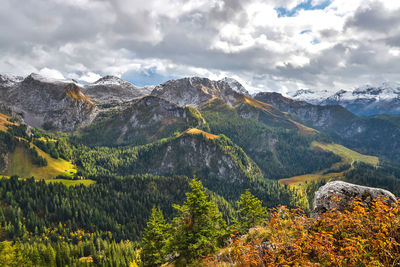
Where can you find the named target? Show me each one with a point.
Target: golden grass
(350, 155)
(258, 104)
(4, 121)
(75, 93)
(20, 164)
(45, 139)
(269, 109)
(304, 129)
(309, 177)
(197, 131)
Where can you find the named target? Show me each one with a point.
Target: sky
(269, 45)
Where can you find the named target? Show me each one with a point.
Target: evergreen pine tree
(154, 239)
(251, 212)
(197, 227)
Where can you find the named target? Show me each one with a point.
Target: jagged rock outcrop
(194, 91)
(48, 103)
(340, 195)
(113, 89)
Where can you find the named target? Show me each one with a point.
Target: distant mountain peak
(193, 91)
(235, 85)
(44, 79)
(110, 79)
(9, 80)
(365, 100)
(302, 92)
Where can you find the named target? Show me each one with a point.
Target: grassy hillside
(347, 154)
(349, 157)
(20, 163)
(280, 147)
(197, 131)
(4, 121)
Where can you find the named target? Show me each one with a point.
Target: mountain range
(150, 129)
(364, 101)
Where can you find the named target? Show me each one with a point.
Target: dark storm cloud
(375, 18)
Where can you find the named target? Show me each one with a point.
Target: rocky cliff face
(146, 120)
(111, 89)
(323, 117)
(47, 103)
(212, 159)
(340, 196)
(195, 91)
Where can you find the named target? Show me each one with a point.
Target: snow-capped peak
(112, 80)
(44, 79)
(235, 85)
(9, 80)
(311, 96)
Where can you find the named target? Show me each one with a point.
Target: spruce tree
(251, 212)
(197, 227)
(154, 239)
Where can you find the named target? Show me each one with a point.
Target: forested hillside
(84, 197)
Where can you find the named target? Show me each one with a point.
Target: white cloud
(347, 43)
(51, 73)
(89, 77)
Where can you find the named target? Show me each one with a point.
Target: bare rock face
(47, 103)
(324, 199)
(113, 89)
(194, 91)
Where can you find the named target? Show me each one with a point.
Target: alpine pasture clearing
(20, 164)
(346, 153)
(197, 131)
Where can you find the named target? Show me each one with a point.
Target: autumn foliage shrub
(361, 236)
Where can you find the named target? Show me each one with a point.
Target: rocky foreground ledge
(340, 195)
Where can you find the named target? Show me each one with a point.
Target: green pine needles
(194, 233)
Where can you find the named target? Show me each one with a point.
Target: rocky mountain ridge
(48, 103)
(194, 91)
(377, 135)
(109, 89)
(364, 101)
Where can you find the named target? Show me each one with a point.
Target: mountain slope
(144, 121)
(278, 150)
(379, 135)
(47, 103)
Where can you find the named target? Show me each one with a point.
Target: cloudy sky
(276, 45)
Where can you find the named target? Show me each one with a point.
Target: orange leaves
(362, 236)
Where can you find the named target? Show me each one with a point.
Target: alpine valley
(83, 164)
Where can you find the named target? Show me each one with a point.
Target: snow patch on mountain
(364, 100)
(235, 85)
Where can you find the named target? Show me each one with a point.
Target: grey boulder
(340, 196)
